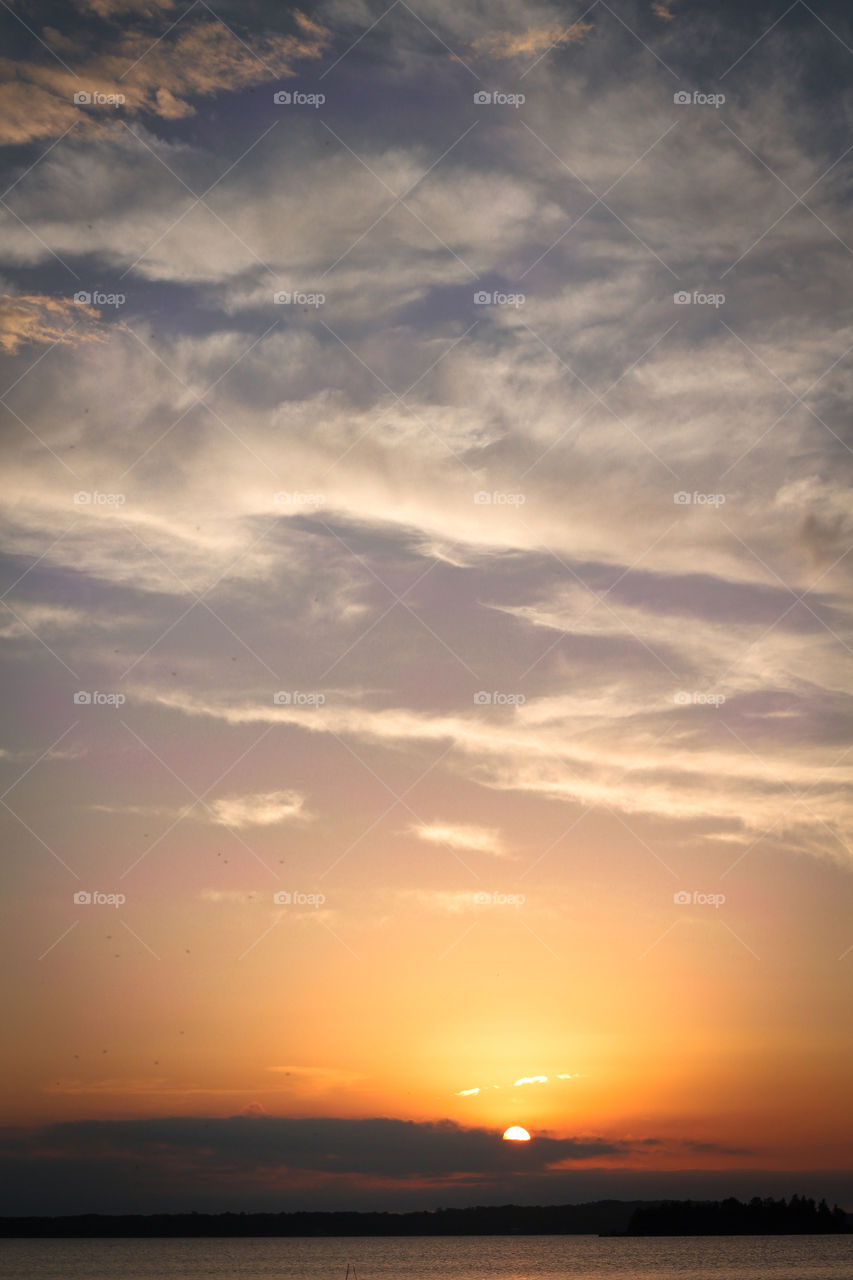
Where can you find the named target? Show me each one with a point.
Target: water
(443, 1258)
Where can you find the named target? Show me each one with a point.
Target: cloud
(447, 901)
(714, 1148)
(113, 1086)
(263, 810)
(636, 764)
(254, 1109)
(511, 44)
(380, 1147)
(39, 318)
(234, 897)
(136, 810)
(318, 1080)
(524, 1080)
(463, 836)
(125, 8)
(163, 77)
(260, 1161)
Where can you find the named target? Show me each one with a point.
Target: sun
(515, 1133)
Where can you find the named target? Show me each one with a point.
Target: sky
(426, 601)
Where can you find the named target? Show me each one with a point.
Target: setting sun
(515, 1133)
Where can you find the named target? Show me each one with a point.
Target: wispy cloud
(40, 318)
(463, 836)
(145, 73)
(263, 810)
(514, 44)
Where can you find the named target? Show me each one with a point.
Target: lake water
(443, 1258)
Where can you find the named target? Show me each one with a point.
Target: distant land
(799, 1216)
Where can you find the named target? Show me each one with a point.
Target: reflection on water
(445, 1258)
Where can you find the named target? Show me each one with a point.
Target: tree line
(797, 1216)
(599, 1217)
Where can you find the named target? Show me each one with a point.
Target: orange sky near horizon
(668, 1023)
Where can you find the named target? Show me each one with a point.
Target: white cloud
(463, 836)
(263, 810)
(597, 597)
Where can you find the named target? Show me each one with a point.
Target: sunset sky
(427, 607)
